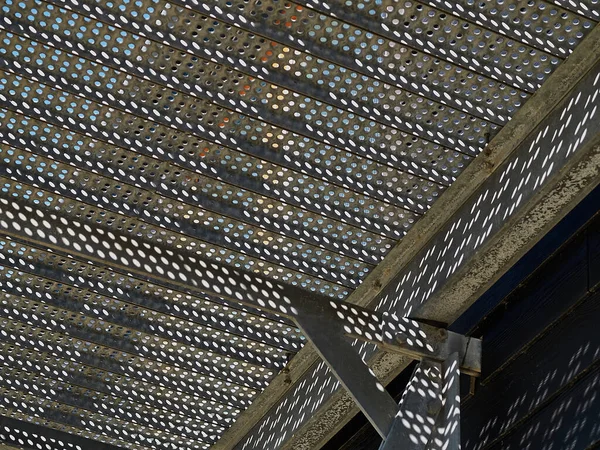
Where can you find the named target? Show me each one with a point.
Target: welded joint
(412, 338)
(439, 344)
(432, 396)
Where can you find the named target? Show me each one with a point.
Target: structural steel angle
(189, 191)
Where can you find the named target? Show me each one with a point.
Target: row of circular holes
(122, 386)
(105, 405)
(149, 233)
(224, 280)
(454, 39)
(29, 166)
(370, 180)
(42, 442)
(388, 212)
(93, 155)
(547, 27)
(147, 345)
(144, 370)
(115, 284)
(374, 152)
(301, 59)
(75, 417)
(431, 134)
(175, 328)
(236, 229)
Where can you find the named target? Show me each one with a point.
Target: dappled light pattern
(565, 131)
(419, 407)
(541, 155)
(446, 433)
(183, 183)
(299, 405)
(443, 356)
(13, 433)
(403, 335)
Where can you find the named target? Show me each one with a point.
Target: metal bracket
(428, 415)
(429, 411)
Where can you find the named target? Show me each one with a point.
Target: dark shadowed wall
(540, 324)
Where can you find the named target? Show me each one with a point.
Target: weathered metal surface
(19, 434)
(420, 405)
(409, 337)
(446, 433)
(544, 183)
(443, 355)
(349, 368)
(176, 176)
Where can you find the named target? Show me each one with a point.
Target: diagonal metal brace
(419, 407)
(336, 349)
(429, 411)
(446, 434)
(428, 415)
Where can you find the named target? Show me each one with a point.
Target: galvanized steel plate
(295, 142)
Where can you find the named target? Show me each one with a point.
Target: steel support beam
(443, 355)
(429, 410)
(429, 413)
(531, 174)
(446, 434)
(350, 369)
(420, 405)
(410, 337)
